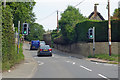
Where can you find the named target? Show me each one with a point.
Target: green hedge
(101, 31)
(9, 53)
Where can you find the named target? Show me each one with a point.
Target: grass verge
(20, 56)
(16, 58)
(113, 58)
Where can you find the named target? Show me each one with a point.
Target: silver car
(44, 50)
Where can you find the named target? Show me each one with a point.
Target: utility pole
(109, 28)
(57, 22)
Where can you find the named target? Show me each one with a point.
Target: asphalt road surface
(64, 66)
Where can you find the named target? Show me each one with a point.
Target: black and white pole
(18, 36)
(93, 41)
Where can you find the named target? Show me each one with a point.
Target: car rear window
(45, 46)
(42, 42)
(35, 42)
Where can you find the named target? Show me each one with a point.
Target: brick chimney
(95, 9)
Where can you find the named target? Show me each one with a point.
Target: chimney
(95, 9)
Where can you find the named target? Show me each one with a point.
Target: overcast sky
(45, 10)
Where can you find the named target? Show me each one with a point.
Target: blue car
(35, 44)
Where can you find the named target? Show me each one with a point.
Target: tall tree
(69, 19)
(36, 32)
(22, 11)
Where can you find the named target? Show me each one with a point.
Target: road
(64, 66)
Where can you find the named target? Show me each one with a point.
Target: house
(95, 15)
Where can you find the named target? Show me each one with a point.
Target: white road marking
(41, 63)
(67, 61)
(108, 64)
(105, 64)
(53, 55)
(73, 62)
(103, 76)
(35, 57)
(85, 68)
(98, 63)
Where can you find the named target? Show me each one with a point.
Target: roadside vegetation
(16, 59)
(74, 27)
(67, 23)
(36, 32)
(11, 14)
(113, 57)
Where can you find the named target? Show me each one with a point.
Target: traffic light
(90, 33)
(25, 28)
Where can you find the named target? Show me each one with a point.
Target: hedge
(101, 31)
(9, 53)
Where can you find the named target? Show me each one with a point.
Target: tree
(8, 40)
(116, 14)
(22, 11)
(36, 32)
(69, 19)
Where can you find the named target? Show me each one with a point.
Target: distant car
(44, 50)
(42, 43)
(35, 44)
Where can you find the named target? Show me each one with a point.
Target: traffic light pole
(93, 41)
(18, 36)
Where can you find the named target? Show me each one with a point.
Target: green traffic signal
(91, 36)
(25, 32)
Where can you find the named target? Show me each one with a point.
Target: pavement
(25, 69)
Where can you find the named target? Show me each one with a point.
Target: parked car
(35, 44)
(44, 50)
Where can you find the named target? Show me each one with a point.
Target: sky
(46, 10)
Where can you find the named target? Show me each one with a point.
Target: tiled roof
(97, 14)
